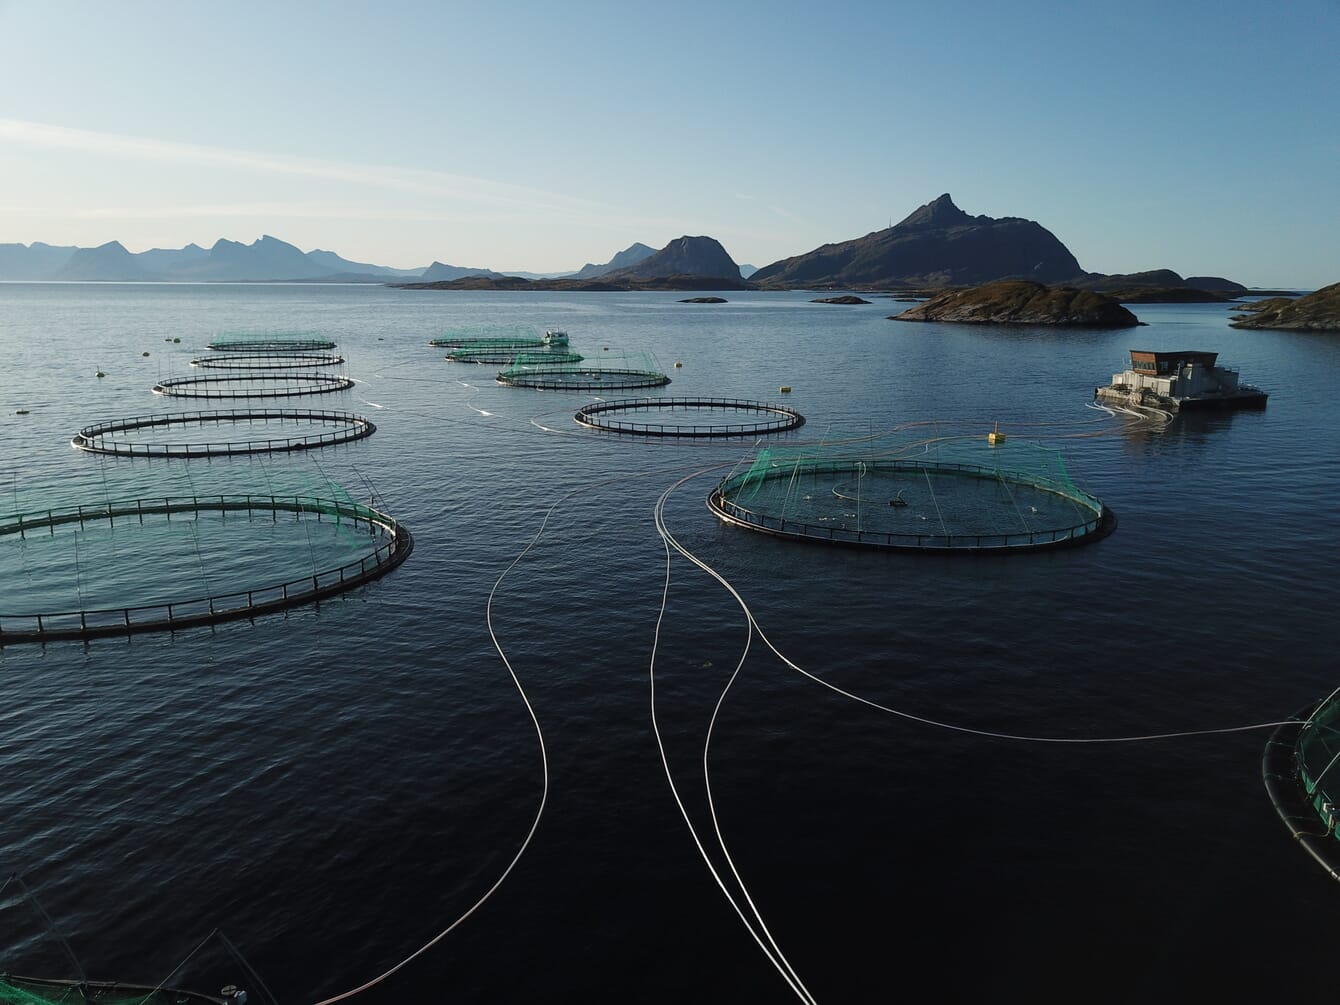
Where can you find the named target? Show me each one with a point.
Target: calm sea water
(334, 787)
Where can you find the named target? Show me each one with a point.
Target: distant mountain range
(265, 260)
(937, 246)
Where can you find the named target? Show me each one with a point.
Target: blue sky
(1201, 137)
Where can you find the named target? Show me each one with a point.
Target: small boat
(555, 336)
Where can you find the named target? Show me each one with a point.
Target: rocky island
(1022, 302)
(1315, 312)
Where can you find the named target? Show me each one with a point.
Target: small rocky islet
(1315, 312)
(1023, 302)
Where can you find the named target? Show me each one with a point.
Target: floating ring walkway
(101, 437)
(603, 415)
(270, 344)
(282, 385)
(895, 504)
(578, 379)
(395, 545)
(1294, 767)
(507, 357)
(268, 361)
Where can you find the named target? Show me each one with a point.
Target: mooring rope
(544, 792)
(937, 723)
(771, 950)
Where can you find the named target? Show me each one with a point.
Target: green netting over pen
(1301, 771)
(955, 493)
(489, 337)
(16, 990)
(1318, 759)
(270, 342)
(608, 371)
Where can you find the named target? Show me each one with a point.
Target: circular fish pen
(270, 343)
(506, 357)
(490, 337)
(975, 500)
(689, 417)
(608, 373)
(253, 385)
(268, 361)
(127, 437)
(1301, 771)
(169, 563)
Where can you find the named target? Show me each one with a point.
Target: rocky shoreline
(1021, 302)
(1316, 312)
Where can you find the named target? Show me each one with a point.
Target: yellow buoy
(995, 436)
(785, 389)
(678, 364)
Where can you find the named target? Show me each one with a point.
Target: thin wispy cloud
(425, 183)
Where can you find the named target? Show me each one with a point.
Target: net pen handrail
(396, 540)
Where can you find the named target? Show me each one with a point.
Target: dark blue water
(334, 787)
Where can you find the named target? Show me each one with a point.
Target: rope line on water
(544, 793)
(771, 950)
(936, 723)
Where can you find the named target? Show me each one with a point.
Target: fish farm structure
(268, 361)
(506, 356)
(957, 495)
(689, 417)
(269, 342)
(490, 337)
(267, 430)
(609, 372)
(282, 384)
(1301, 771)
(177, 562)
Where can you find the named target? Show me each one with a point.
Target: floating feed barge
(1179, 381)
(1301, 771)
